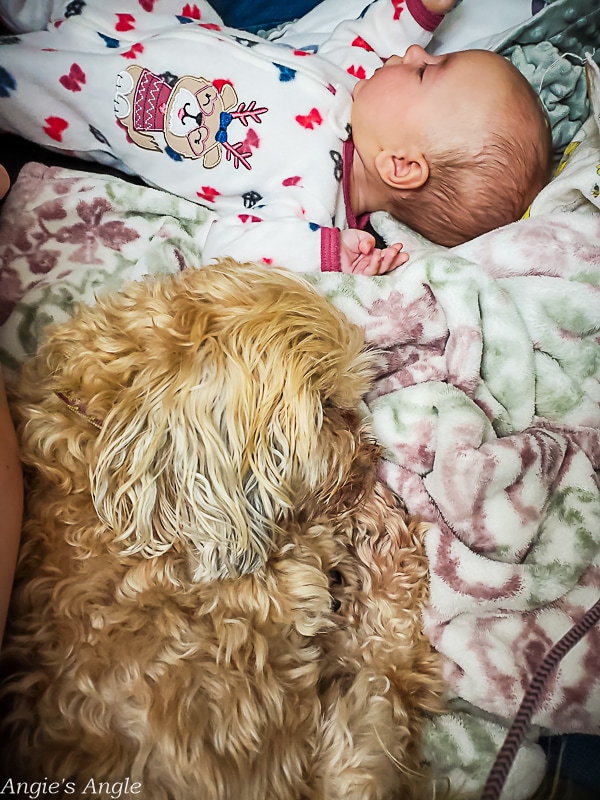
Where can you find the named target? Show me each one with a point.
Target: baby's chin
(357, 88)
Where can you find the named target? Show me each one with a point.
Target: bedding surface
(487, 400)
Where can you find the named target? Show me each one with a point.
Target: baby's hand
(439, 6)
(360, 256)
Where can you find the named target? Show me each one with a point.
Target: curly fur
(215, 596)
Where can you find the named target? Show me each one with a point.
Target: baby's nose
(415, 53)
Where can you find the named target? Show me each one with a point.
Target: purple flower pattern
(33, 245)
(66, 235)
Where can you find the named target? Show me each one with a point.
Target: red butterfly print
(360, 42)
(147, 5)
(74, 80)
(293, 181)
(312, 119)
(125, 22)
(358, 72)
(251, 140)
(249, 218)
(191, 11)
(134, 50)
(208, 193)
(55, 127)
(398, 8)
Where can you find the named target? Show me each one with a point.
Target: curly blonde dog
(216, 598)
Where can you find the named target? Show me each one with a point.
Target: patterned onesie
(257, 131)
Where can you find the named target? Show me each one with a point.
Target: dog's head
(213, 405)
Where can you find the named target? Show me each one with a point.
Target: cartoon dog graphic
(193, 115)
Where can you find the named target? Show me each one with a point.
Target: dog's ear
(169, 470)
(164, 479)
(222, 431)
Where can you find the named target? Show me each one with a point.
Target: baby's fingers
(392, 257)
(366, 243)
(372, 264)
(379, 262)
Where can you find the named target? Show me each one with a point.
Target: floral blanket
(487, 401)
(64, 235)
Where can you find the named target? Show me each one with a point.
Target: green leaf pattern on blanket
(50, 302)
(463, 745)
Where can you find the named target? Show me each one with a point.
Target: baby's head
(452, 145)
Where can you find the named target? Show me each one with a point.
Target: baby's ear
(402, 170)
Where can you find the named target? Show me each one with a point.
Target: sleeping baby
(292, 149)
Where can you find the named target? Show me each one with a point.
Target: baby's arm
(301, 247)
(23, 16)
(360, 256)
(388, 27)
(286, 241)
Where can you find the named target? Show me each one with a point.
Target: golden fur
(215, 596)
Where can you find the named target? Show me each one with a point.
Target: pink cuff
(422, 16)
(330, 250)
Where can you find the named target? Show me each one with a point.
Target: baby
(292, 149)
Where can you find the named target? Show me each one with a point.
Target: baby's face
(419, 100)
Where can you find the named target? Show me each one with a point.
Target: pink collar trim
(347, 155)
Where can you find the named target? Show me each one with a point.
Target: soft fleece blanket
(488, 404)
(487, 401)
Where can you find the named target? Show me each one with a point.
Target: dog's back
(196, 473)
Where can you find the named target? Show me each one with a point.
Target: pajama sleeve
(23, 16)
(291, 243)
(386, 28)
